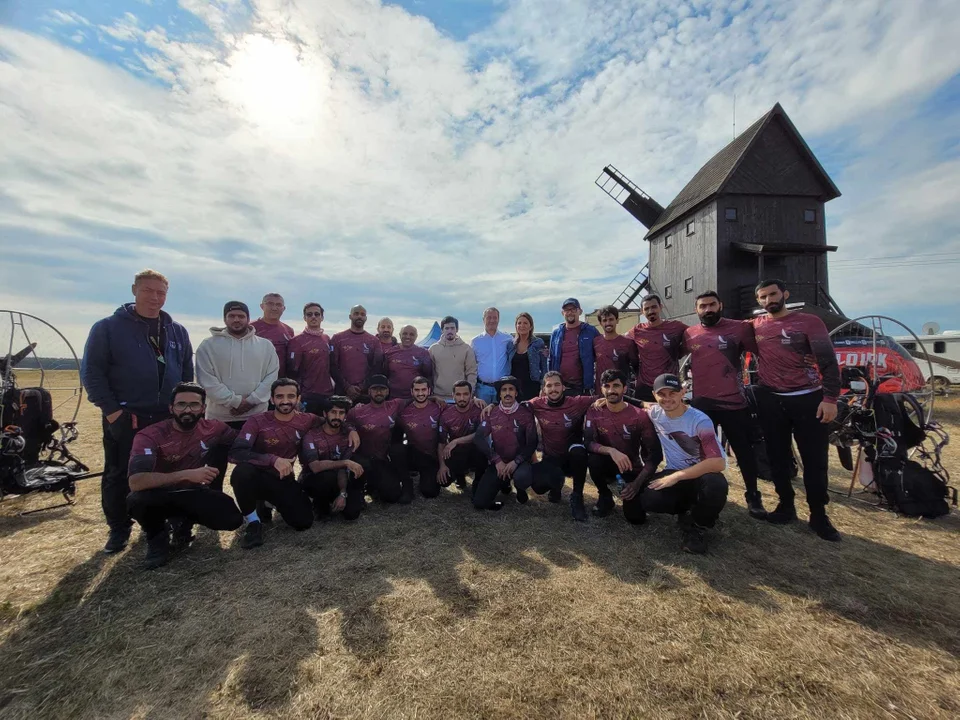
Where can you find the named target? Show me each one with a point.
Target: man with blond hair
(132, 360)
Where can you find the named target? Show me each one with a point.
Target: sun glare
(278, 91)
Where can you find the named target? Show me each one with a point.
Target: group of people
(365, 414)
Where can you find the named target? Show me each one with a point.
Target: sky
(433, 157)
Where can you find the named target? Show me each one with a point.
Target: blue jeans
(487, 393)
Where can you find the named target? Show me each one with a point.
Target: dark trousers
(486, 488)
(201, 505)
(783, 417)
(644, 393)
(324, 488)
(381, 478)
(465, 458)
(408, 459)
(235, 425)
(314, 403)
(252, 484)
(603, 472)
(738, 430)
(554, 469)
(114, 487)
(703, 497)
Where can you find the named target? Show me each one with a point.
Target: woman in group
(528, 357)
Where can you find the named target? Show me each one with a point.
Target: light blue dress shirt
(492, 353)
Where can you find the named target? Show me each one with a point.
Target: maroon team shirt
(715, 354)
(164, 448)
(560, 425)
(308, 359)
(795, 354)
(658, 349)
(455, 424)
(263, 439)
(620, 353)
(402, 365)
(279, 334)
(374, 424)
(630, 431)
(356, 356)
(508, 437)
(571, 368)
(422, 427)
(319, 445)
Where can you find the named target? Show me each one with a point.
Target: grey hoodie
(231, 368)
(452, 361)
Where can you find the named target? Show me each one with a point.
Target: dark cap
(571, 301)
(378, 381)
(236, 305)
(506, 380)
(667, 382)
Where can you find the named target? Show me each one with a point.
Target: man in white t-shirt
(692, 485)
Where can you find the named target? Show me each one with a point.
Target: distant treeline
(35, 363)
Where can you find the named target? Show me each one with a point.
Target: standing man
(453, 360)
(508, 439)
(621, 441)
(420, 421)
(658, 346)
(330, 477)
(176, 474)
(715, 347)
(132, 360)
(492, 349)
(612, 351)
(796, 397)
(406, 361)
(309, 360)
(385, 334)
(357, 356)
(270, 328)
(264, 453)
(456, 451)
(378, 455)
(571, 350)
(236, 367)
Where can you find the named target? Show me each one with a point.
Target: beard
(774, 307)
(613, 398)
(286, 408)
(462, 403)
(186, 421)
(335, 423)
(710, 319)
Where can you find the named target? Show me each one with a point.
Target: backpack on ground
(912, 489)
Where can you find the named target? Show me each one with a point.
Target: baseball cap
(236, 305)
(378, 381)
(667, 382)
(571, 301)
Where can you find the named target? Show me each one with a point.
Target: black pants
(201, 505)
(738, 430)
(408, 459)
(235, 425)
(644, 393)
(465, 458)
(703, 497)
(603, 472)
(324, 488)
(381, 478)
(114, 487)
(315, 403)
(783, 417)
(554, 469)
(486, 488)
(252, 484)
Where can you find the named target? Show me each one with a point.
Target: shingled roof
(711, 178)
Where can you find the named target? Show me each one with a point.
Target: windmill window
(668, 292)
(730, 214)
(940, 347)
(690, 227)
(668, 241)
(688, 285)
(809, 216)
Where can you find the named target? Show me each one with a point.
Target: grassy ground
(435, 611)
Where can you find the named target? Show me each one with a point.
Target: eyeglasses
(188, 406)
(313, 314)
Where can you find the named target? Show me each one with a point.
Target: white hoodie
(231, 368)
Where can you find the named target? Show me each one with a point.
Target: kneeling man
(176, 473)
(330, 477)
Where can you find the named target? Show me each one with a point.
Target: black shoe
(694, 540)
(117, 541)
(522, 496)
(506, 488)
(158, 550)
(321, 511)
(755, 506)
(577, 509)
(783, 515)
(181, 534)
(821, 525)
(497, 505)
(555, 495)
(252, 536)
(406, 496)
(604, 506)
(264, 512)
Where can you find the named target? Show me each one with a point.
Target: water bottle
(620, 483)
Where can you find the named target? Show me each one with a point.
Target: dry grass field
(435, 611)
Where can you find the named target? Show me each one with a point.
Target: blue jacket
(587, 334)
(536, 356)
(119, 368)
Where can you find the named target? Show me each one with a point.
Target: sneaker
(522, 496)
(694, 540)
(252, 536)
(117, 541)
(555, 495)
(604, 506)
(783, 515)
(577, 509)
(461, 482)
(158, 550)
(821, 525)
(755, 506)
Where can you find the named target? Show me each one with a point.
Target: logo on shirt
(173, 344)
(203, 447)
(567, 422)
(721, 343)
(616, 356)
(392, 421)
(626, 432)
(784, 338)
(366, 349)
(666, 340)
(147, 451)
(516, 427)
(433, 423)
(336, 452)
(273, 441)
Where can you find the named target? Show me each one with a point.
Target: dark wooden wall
(691, 256)
(775, 165)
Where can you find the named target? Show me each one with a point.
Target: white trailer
(943, 351)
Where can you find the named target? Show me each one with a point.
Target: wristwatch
(344, 494)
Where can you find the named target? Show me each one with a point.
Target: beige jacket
(452, 362)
